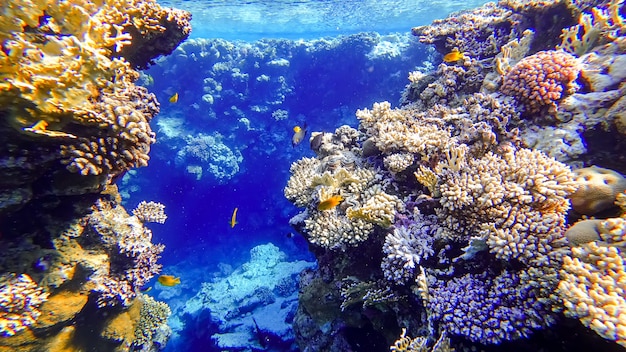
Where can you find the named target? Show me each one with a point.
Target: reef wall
(73, 121)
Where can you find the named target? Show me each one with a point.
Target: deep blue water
(300, 62)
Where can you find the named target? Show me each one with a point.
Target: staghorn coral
(150, 212)
(541, 80)
(593, 281)
(19, 299)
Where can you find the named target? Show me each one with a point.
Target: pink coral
(541, 80)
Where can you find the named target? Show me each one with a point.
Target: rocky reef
(250, 308)
(486, 211)
(72, 122)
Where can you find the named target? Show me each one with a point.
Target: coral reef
(72, 122)
(482, 159)
(592, 284)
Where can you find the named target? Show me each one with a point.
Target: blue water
(255, 19)
(251, 71)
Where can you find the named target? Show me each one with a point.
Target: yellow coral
(593, 28)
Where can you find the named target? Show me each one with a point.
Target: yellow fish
(233, 219)
(41, 125)
(330, 203)
(169, 280)
(174, 98)
(454, 56)
(298, 135)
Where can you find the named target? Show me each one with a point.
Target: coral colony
(464, 192)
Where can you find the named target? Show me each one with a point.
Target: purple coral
(406, 247)
(486, 309)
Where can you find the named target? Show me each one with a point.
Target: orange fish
(233, 218)
(174, 98)
(330, 203)
(169, 280)
(41, 125)
(453, 56)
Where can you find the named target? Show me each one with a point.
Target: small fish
(330, 203)
(174, 98)
(41, 125)
(316, 141)
(298, 135)
(453, 56)
(233, 218)
(169, 280)
(146, 289)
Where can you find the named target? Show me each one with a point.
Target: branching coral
(19, 298)
(150, 212)
(153, 315)
(406, 247)
(133, 255)
(57, 66)
(594, 281)
(517, 200)
(541, 80)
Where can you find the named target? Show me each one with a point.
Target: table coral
(541, 80)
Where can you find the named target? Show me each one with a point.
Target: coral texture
(19, 298)
(594, 281)
(539, 81)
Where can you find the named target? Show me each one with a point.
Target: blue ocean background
(250, 72)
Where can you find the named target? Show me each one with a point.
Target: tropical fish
(298, 135)
(169, 280)
(146, 289)
(41, 125)
(330, 203)
(316, 141)
(233, 218)
(453, 56)
(174, 98)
